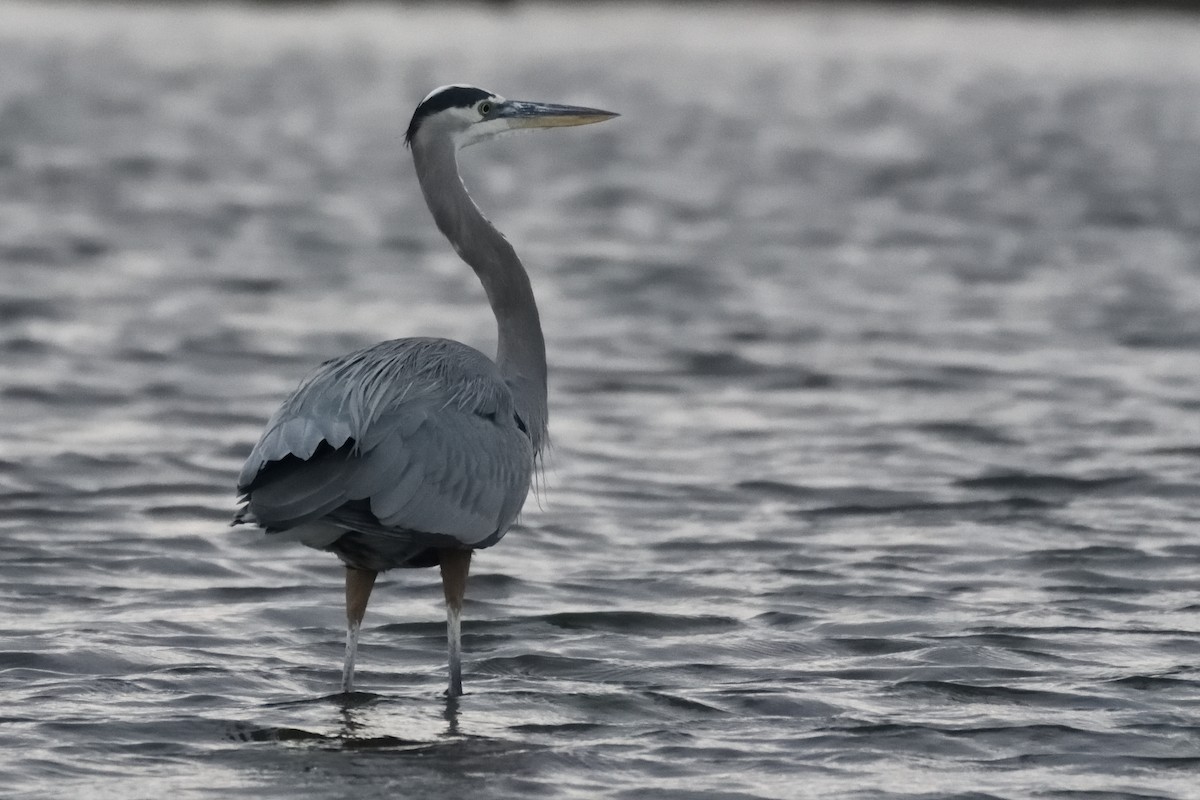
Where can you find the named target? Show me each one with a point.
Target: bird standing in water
(416, 452)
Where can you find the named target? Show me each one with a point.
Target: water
(875, 391)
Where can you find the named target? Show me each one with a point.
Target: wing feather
(462, 487)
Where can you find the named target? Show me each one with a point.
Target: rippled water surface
(875, 400)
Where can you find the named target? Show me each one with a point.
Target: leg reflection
(451, 715)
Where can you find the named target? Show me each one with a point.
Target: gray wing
(421, 430)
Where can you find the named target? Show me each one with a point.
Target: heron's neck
(520, 350)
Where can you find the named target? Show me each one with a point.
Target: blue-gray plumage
(415, 452)
(422, 431)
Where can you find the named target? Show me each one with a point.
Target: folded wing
(409, 438)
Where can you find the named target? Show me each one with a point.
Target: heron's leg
(455, 565)
(359, 583)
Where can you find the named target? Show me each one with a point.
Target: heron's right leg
(359, 583)
(455, 566)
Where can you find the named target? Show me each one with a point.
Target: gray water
(875, 397)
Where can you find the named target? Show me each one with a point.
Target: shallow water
(875, 400)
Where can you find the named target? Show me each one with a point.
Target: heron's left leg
(359, 583)
(455, 566)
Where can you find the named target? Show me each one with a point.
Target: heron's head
(467, 114)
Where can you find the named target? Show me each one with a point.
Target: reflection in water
(351, 721)
(363, 712)
(362, 722)
(451, 716)
(364, 715)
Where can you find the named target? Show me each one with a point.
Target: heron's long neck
(521, 350)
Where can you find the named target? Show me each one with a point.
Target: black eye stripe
(452, 97)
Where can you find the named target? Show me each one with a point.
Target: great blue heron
(415, 452)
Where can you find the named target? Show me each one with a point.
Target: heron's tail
(244, 516)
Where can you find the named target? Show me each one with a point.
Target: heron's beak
(521, 114)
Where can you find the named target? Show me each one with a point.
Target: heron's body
(390, 453)
(416, 452)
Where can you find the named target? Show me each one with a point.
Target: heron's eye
(485, 108)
